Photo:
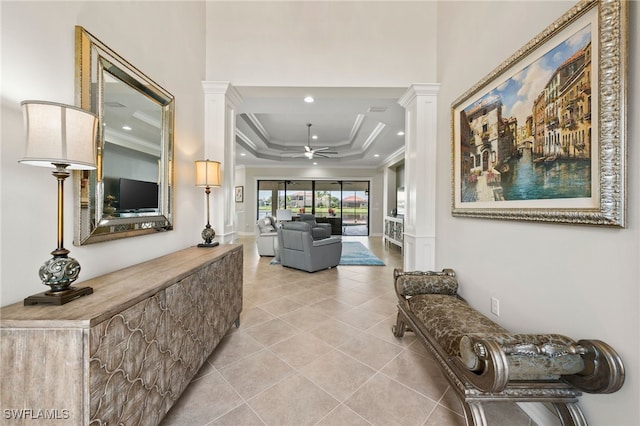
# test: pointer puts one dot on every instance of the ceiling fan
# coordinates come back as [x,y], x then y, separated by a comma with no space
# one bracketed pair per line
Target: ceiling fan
[310,152]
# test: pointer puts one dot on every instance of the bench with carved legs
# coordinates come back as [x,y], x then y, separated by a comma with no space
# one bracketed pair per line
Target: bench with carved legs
[486,363]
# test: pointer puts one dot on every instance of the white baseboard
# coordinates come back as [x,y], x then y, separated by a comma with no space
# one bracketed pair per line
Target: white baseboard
[539,413]
[247,234]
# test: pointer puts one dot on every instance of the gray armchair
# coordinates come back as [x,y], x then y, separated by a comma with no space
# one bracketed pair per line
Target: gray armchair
[318,230]
[267,236]
[299,250]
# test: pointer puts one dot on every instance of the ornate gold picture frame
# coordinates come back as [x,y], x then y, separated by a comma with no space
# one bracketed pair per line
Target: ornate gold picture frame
[542,137]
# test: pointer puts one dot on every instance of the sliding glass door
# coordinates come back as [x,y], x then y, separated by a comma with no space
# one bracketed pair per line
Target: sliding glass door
[355,208]
[299,196]
[267,198]
[328,204]
[343,204]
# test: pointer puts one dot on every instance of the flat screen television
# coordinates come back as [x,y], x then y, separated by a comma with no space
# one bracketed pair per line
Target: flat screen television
[138,194]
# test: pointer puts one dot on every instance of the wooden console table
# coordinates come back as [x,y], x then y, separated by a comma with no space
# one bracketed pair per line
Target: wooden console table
[124,354]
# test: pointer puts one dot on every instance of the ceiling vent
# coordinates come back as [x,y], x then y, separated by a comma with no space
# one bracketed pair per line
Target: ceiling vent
[377,109]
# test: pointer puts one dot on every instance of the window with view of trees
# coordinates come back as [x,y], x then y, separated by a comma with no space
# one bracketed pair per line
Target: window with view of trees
[344,204]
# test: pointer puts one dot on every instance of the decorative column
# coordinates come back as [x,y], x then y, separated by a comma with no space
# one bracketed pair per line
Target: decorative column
[420,104]
[220,102]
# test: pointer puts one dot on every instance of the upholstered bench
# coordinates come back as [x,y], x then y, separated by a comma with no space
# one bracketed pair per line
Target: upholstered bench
[486,363]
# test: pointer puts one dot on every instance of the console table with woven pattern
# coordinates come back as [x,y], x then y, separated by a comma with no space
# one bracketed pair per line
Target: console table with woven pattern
[393,231]
[124,354]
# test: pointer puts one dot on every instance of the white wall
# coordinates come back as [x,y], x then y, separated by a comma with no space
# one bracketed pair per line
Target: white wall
[577,280]
[324,43]
[163,39]
[249,199]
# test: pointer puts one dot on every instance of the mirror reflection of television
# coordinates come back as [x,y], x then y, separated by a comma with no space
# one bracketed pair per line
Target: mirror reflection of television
[138,195]
[400,201]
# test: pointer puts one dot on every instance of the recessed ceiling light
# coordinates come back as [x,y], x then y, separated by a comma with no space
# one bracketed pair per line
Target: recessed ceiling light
[126,127]
[309,99]
[376,155]
[315,164]
[242,154]
[314,137]
[400,133]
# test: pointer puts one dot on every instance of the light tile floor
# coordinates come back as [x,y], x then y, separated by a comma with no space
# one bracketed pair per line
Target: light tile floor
[317,349]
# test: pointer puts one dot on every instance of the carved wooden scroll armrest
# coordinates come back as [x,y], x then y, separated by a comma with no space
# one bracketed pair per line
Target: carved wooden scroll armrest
[603,369]
[412,283]
[491,372]
[490,360]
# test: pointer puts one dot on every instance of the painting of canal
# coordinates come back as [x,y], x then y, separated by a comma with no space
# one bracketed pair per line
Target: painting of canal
[530,137]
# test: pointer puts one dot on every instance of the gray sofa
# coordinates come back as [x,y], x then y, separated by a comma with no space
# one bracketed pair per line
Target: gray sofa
[299,250]
[267,236]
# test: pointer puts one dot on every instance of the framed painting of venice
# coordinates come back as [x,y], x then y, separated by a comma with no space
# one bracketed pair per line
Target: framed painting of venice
[542,137]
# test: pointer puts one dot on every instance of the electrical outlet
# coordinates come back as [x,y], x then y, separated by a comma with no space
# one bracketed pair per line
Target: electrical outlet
[495,306]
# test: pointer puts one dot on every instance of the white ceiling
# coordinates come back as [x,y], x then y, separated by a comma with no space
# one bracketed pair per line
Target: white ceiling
[360,124]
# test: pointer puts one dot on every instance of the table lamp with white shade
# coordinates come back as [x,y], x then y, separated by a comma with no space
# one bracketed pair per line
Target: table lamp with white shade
[62,137]
[208,175]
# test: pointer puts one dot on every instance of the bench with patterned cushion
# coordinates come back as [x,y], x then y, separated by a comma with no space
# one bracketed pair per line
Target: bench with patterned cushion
[485,362]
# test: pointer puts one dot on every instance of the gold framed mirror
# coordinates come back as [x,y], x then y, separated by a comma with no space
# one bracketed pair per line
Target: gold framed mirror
[131,191]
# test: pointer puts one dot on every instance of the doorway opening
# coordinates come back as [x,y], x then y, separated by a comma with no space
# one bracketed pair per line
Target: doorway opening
[342,203]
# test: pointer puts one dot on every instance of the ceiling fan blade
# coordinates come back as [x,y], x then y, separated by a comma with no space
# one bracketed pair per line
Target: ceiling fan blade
[324,148]
[292,154]
[308,148]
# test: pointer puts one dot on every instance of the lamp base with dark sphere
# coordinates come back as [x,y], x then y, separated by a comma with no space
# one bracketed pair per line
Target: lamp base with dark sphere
[207,235]
[59,273]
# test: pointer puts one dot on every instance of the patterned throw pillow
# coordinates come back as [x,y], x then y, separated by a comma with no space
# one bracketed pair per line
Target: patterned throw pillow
[412,285]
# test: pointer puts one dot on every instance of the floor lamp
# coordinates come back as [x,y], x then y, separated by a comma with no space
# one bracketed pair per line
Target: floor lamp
[208,175]
[62,137]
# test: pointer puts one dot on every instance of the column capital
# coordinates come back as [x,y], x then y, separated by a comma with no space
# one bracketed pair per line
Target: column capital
[418,89]
[222,88]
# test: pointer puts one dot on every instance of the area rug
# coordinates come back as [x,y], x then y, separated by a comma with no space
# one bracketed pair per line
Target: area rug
[353,253]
